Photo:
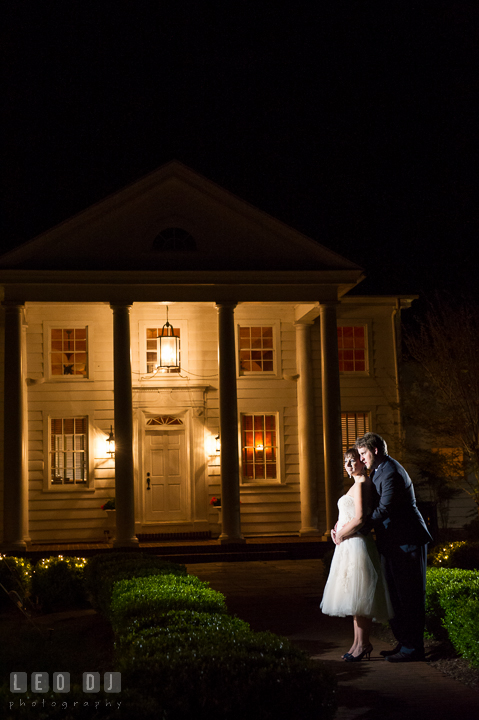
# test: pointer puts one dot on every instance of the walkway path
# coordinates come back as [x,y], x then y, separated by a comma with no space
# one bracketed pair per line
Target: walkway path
[284,597]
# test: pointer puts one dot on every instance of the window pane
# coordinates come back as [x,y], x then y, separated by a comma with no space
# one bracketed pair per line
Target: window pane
[259,446]
[68,439]
[256,349]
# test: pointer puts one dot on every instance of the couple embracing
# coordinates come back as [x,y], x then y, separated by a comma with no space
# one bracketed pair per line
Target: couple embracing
[389,584]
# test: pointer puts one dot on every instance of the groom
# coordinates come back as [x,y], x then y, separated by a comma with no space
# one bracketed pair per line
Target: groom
[402,538]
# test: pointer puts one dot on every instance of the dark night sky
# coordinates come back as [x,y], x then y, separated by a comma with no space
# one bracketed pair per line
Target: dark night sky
[354,122]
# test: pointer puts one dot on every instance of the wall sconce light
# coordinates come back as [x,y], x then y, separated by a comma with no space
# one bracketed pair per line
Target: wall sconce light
[169,346]
[110,443]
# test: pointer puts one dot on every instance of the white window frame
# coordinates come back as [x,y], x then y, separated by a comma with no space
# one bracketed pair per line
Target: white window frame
[275,324]
[48,486]
[252,408]
[182,325]
[367,329]
[48,326]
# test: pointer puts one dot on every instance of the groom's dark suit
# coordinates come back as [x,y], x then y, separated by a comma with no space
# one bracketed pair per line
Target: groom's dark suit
[402,538]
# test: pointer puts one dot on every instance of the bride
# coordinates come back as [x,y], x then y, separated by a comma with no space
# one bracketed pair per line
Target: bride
[356,585]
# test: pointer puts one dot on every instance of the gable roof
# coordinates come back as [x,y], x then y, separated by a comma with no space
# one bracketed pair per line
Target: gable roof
[223,233]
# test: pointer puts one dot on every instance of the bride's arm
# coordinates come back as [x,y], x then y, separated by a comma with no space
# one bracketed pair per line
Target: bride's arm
[360,504]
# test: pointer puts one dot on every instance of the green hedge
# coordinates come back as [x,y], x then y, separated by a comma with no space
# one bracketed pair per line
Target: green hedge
[452,609]
[104,570]
[176,645]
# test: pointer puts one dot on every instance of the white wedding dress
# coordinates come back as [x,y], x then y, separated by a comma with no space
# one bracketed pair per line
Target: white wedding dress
[356,584]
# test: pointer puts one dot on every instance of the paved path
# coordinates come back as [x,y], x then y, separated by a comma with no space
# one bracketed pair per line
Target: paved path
[284,597]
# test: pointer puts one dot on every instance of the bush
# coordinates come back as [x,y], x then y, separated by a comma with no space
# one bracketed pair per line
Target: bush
[15,575]
[229,674]
[104,570]
[452,609]
[176,645]
[441,554]
[150,597]
[58,584]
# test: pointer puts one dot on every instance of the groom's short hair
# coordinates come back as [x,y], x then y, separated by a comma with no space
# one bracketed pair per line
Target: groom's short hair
[372,441]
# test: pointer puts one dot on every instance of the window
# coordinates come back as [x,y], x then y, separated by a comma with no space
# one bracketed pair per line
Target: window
[165,421]
[259,447]
[256,352]
[68,450]
[352,348]
[353,425]
[153,352]
[69,352]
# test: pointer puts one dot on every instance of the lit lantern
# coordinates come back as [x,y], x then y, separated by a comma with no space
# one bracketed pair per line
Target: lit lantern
[110,443]
[169,346]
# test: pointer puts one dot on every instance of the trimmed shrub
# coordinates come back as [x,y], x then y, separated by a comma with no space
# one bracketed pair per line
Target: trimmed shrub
[103,571]
[231,675]
[15,575]
[459,600]
[57,583]
[452,609]
[148,598]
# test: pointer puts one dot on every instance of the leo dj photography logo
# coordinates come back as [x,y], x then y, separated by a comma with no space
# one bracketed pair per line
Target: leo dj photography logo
[60,683]
[40,682]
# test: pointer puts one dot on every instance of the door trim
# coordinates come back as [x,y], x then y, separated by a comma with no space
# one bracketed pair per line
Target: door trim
[143,416]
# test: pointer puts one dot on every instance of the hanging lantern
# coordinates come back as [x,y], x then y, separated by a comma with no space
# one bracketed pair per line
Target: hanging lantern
[110,443]
[168,346]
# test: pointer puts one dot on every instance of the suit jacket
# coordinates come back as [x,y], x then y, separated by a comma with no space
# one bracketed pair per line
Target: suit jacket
[396,519]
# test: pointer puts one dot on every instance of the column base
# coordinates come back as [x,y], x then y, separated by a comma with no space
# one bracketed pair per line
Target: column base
[13,547]
[309,532]
[129,542]
[226,540]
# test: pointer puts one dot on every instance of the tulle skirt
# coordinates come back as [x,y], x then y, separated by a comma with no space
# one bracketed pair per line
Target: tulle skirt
[356,585]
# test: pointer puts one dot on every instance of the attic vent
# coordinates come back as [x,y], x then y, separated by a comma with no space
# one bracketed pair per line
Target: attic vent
[174,240]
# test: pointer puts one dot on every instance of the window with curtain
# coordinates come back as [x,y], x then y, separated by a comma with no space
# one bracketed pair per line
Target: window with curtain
[68,450]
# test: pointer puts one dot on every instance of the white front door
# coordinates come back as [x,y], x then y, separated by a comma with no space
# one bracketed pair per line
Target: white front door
[165,461]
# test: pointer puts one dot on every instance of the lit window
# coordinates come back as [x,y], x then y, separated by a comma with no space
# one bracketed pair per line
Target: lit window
[68,352]
[259,446]
[256,349]
[153,352]
[353,425]
[352,348]
[68,451]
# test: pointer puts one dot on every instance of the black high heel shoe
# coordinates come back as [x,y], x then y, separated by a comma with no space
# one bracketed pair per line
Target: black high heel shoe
[356,658]
[346,656]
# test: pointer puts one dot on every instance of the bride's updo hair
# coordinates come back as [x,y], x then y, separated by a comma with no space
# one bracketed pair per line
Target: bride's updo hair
[352,452]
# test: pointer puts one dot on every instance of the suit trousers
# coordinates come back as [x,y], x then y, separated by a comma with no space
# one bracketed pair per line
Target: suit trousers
[405,573]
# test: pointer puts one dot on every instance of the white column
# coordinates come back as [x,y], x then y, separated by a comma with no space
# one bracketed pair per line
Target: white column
[306,439]
[123,414]
[230,495]
[333,462]
[15,491]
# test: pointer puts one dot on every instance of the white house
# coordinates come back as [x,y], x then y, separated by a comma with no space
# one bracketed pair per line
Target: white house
[278,369]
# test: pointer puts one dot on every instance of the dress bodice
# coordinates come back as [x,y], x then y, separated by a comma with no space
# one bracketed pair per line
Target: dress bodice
[346,509]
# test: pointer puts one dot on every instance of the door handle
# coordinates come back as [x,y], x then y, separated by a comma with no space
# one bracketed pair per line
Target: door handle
[148,481]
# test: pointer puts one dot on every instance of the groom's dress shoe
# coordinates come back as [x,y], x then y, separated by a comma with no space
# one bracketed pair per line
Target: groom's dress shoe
[387,653]
[404,656]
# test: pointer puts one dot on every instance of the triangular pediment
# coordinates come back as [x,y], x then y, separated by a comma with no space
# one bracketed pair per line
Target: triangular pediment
[173,219]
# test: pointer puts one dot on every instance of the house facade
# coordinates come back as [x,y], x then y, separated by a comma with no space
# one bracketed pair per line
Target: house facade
[154,319]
